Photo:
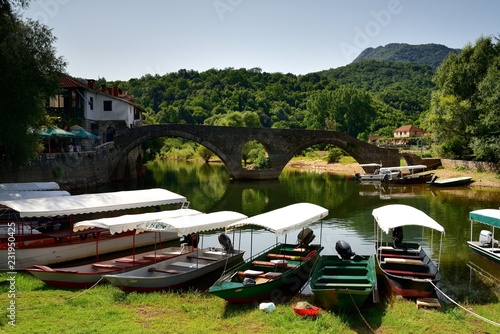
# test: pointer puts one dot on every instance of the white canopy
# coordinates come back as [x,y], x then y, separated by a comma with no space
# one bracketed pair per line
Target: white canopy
[287,219]
[129,222]
[19,195]
[394,215]
[88,203]
[193,224]
[373,164]
[29,186]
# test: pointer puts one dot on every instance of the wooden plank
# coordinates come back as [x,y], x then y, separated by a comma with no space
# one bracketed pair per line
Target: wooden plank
[166,271]
[409,273]
[404,256]
[344,285]
[404,261]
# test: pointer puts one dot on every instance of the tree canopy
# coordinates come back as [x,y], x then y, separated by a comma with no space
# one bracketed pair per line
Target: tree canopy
[30,75]
[465,107]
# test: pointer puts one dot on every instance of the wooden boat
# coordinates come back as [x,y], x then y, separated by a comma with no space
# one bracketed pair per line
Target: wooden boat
[86,275]
[42,228]
[343,283]
[278,270]
[408,268]
[186,269]
[450,182]
[487,247]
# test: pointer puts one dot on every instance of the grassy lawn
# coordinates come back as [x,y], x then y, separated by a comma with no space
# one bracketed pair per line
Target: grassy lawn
[106,309]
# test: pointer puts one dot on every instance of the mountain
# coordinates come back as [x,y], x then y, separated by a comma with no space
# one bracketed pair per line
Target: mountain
[424,54]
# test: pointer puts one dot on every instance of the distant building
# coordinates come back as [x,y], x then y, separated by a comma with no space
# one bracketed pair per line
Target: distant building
[408,131]
[103,112]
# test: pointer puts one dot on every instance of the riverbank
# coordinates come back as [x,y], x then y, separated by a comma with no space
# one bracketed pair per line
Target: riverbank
[481,179]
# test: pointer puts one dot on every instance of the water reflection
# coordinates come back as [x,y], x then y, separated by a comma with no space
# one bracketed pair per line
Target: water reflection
[208,188]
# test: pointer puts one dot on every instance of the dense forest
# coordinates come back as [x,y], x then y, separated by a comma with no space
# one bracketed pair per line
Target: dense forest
[364,98]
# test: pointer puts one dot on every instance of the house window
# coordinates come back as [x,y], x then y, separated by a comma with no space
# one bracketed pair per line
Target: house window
[91,103]
[107,106]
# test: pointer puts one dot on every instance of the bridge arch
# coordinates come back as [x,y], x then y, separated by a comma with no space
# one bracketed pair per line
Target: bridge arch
[227,143]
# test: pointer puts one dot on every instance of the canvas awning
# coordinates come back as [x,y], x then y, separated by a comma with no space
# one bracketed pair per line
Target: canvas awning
[486,216]
[29,186]
[81,133]
[284,220]
[20,195]
[129,222]
[55,132]
[394,215]
[193,224]
[88,203]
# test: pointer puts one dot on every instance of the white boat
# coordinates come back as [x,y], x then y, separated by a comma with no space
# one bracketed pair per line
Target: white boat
[413,174]
[373,176]
[40,230]
[408,268]
[486,246]
[187,269]
[86,275]
[450,182]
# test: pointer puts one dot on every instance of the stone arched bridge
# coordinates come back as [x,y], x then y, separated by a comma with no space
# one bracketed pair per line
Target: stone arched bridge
[227,143]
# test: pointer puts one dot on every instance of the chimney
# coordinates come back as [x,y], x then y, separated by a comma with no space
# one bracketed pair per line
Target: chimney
[103,88]
[91,83]
[110,90]
[115,91]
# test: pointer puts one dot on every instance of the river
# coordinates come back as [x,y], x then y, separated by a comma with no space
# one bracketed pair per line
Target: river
[350,204]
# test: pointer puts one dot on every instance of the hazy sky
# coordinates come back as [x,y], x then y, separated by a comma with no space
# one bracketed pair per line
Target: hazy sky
[124,39]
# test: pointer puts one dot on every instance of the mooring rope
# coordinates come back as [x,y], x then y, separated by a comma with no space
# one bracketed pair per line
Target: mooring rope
[463,308]
[360,314]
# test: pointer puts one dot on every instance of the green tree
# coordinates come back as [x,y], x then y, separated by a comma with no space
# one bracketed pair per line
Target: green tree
[464,110]
[30,75]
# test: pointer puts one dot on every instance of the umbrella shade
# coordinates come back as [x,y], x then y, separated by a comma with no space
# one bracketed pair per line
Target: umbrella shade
[81,133]
[55,132]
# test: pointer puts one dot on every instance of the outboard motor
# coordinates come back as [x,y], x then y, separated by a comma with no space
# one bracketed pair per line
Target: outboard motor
[344,250]
[226,243]
[397,236]
[305,237]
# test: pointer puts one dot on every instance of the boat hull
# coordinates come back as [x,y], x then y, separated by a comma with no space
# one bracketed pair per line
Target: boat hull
[60,252]
[343,285]
[411,179]
[277,280]
[183,271]
[489,253]
[408,270]
[85,276]
[451,182]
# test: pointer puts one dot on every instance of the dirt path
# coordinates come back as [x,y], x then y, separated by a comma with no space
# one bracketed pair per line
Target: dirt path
[489,180]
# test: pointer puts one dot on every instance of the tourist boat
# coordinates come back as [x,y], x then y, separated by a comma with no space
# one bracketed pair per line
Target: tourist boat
[40,230]
[373,176]
[450,182]
[280,269]
[86,275]
[187,269]
[408,268]
[344,282]
[487,247]
[414,174]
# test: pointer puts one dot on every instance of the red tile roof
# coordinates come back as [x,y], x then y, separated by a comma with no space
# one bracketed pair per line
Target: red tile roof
[406,128]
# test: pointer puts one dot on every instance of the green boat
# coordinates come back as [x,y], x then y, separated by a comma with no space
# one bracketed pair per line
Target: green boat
[278,271]
[343,285]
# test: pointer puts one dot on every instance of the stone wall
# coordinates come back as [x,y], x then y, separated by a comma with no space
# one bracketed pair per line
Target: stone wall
[76,170]
[479,166]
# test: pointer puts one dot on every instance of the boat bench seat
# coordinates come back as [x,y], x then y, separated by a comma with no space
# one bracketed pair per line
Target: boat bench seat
[259,274]
[106,266]
[393,260]
[156,257]
[341,278]
[131,261]
[192,265]
[272,264]
[403,256]
[208,258]
[344,285]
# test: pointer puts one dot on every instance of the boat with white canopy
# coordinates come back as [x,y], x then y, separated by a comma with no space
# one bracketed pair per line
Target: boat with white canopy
[29,186]
[86,275]
[187,269]
[270,273]
[41,231]
[406,265]
[486,246]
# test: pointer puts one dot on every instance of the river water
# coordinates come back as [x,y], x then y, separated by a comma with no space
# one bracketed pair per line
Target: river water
[350,205]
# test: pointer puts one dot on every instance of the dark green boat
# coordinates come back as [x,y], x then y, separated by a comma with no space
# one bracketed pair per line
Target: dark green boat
[343,285]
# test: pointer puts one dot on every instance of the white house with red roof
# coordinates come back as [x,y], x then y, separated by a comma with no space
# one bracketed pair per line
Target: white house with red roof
[408,131]
[104,111]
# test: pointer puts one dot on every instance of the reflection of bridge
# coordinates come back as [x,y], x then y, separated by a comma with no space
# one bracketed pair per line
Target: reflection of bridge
[227,143]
